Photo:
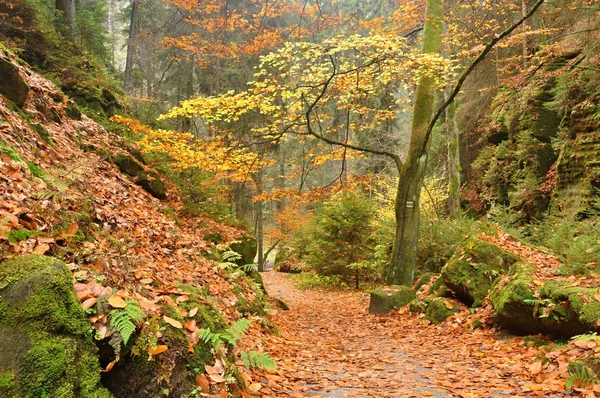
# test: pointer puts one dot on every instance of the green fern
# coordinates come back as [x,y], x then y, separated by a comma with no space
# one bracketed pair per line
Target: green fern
[231,257]
[231,335]
[234,332]
[258,360]
[126,320]
[581,377]
[208,337]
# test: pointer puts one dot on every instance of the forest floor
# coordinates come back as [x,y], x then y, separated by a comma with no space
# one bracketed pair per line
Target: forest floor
[330,346]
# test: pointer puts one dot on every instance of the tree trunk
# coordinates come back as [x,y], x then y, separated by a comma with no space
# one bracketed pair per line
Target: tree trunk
[131,44]
[454,169]
[259,223]
[404,255]
[67,7]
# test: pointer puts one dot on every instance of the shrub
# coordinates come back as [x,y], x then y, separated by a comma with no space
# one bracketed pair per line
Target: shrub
[339,241]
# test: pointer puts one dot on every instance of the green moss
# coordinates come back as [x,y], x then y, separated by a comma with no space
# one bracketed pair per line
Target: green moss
[471,272]
[423,280]
[247,248]
[43,133]
[436,285]
[7,384]
[34,169]
[383,300]
[418,305]
[437,311]
[18,235]
[44,337]
[12,154]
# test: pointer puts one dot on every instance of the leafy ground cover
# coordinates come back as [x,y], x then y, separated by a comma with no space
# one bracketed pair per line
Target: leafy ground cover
[330,346]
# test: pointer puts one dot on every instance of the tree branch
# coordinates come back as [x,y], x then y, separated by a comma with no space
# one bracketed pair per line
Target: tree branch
[470,69]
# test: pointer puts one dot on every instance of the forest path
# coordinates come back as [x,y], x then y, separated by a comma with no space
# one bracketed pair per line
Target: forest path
[330,346]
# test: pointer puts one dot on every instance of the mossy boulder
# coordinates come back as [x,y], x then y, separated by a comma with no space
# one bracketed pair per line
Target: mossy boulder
[383,300]
[556,307]
[439,309]
[45,345]
[246,246]
[152,184]
[471,272]
[128,165]
[12,85]
[173,370]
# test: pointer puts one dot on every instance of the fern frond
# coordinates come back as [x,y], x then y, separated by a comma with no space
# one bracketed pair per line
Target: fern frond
[258,360]
[125,320]
[208,337]
[231,257]
[236,330]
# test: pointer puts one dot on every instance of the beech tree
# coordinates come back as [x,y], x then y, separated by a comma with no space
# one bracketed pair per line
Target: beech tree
[299,90]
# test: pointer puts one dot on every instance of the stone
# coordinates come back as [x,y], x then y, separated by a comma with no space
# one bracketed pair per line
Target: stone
[12,85]
[472,270]
[246,246]
[45,345]
[439,309]
[152,184]
[128,165]
[555,307]
[383,300]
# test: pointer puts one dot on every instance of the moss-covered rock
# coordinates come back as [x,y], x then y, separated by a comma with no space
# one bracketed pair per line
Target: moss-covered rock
[246,247]
[174,370]
[555,307]
[418,305]
[45,344]
[152,184]
[439,309]
[383,300]
[12,85]
[423,280]
[471,272]
[128,165]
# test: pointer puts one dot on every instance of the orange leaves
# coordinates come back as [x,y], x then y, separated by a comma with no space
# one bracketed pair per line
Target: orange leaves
[157,350]
[117,302]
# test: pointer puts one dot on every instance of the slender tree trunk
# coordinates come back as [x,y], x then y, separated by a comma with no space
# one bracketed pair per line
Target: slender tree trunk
[454,168]
[259,223]
[281,177]
[523,13]
[404,255]
[69,14]
[131,44]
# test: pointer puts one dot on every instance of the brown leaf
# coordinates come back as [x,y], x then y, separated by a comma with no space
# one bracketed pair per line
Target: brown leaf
[73,228]
[193,312]
[255,387]
[146,281]
[173,322]
[117,301]
[41,248]
[203,383]
[217,378]
[182,299]
[89,303]
[109,367]
[190,325]
[223,394]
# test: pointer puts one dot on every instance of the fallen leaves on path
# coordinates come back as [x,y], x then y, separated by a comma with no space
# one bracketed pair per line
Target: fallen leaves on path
[330,346]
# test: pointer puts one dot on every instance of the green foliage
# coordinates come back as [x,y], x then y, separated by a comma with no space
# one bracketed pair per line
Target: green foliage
[18,235]
[310,280]
[440,238]
[231,335]
[126,320]
[258,360]
[340,237]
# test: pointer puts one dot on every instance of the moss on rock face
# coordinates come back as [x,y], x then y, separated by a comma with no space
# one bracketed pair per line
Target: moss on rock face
[383,300]
[246,247]
[439,309]
[45,347]
[471,272]
[554,307]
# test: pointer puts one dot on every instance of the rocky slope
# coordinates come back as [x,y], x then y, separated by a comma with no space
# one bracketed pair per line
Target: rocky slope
[67,190]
